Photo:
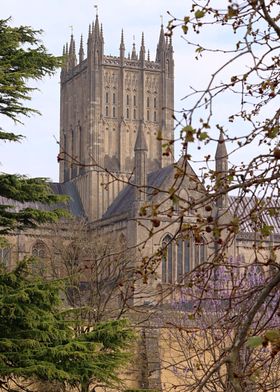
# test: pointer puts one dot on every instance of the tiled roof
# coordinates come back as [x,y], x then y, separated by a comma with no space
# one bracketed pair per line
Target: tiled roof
[243,208]
[124,200]
[73,205]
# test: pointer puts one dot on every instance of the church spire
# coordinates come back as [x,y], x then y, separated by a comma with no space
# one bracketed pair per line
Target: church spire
[142,49]
[122,47]
[161,44]
[72,52]
[221,151]
[133,53]
[96,27]
[81,51]
[221,160]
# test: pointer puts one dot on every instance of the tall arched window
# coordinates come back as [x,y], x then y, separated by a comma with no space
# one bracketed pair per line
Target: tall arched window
[114,98]
[114,111]
[199,251]
[40,254]
[106,111]
[127,113]
[187,256]
[167,262]
[127,99]
[134,114]
[107,97]
[183,259]
[155,116]
[148,115]
[155,102]
[5,256]
[180,256]
[134,100]
[148,102]
[180,265]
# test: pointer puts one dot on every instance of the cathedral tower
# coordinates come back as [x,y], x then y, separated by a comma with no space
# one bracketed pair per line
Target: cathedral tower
[104,101]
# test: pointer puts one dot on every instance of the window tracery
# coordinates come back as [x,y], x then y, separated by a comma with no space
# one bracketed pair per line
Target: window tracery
[180,256]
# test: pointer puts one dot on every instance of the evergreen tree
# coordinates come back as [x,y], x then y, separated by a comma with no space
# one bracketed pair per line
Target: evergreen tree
[37,343]
[23,58]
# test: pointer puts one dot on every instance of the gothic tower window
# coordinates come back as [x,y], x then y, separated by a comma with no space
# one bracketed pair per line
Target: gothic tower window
[148,102]
[107,111]
[107,97]
[114,111]
[134,100]
[127,113]
[127,99]
[148,115]
[155,103]
[114,98]
[134,114]
[155,116]
[5,256]
[40,253]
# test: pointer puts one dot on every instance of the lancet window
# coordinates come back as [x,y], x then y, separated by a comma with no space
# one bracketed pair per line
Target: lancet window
[40,254]
[5,256]
[180,256]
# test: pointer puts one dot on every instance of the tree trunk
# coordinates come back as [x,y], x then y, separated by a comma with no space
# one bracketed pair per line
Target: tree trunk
[85,387]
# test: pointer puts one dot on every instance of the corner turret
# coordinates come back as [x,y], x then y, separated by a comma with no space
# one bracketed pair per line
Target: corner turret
[140,178]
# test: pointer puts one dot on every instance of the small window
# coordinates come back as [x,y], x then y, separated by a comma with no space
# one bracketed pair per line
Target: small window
[127,113]
[155,116]
[134,114]
[148,102]
[148,115]
[155,102]
[114,98]
[114,111]
[127,99]
[134,100]
[107,98]
[106,111]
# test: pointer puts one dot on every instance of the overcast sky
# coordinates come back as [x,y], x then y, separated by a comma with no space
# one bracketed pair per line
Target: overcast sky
[36,155]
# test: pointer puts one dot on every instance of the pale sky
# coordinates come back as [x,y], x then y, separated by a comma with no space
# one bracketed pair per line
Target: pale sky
[36,155]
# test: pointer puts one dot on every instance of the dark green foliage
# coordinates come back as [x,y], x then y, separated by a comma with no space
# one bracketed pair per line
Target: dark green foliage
[24,189]
[23,58]
[37,342]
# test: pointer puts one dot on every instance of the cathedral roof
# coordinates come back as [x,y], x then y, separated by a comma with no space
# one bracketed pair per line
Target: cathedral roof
[124,201]
[73,205]
[266,211]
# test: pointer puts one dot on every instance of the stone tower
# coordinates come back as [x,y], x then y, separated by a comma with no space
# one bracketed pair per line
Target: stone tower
[104,102]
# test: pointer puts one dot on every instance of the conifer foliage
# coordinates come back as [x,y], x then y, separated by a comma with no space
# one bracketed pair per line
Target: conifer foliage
[37,341]
[23,58]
